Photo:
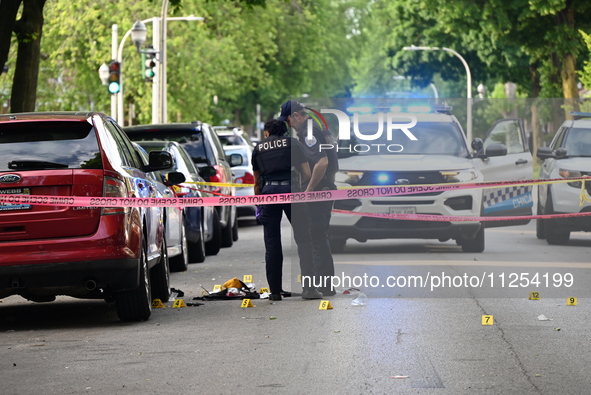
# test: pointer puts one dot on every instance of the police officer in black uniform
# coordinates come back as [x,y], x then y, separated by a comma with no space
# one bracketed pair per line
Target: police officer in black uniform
[279,163]
[324,165]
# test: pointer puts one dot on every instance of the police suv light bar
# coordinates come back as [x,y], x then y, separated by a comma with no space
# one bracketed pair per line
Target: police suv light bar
[580,115]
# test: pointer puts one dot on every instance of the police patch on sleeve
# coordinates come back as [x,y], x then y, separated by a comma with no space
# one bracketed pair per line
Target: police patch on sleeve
[310,141]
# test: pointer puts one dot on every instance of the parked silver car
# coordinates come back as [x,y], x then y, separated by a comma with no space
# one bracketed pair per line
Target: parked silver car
[202,236]
[173,216]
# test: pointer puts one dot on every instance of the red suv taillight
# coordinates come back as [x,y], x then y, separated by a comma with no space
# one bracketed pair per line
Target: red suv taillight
[247,178]
[114,188]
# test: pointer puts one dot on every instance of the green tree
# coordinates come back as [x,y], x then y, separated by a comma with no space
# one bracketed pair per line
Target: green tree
[585,74]
[28,30]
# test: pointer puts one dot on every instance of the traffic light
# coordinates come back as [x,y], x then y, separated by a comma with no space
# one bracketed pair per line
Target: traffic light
[114,77]
[149,64]
[149,73]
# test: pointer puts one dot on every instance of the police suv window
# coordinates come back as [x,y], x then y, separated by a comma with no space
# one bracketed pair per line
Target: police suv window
[509,134]
[557,143]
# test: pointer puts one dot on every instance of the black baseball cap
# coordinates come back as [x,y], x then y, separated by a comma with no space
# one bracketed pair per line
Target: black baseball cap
[288,108]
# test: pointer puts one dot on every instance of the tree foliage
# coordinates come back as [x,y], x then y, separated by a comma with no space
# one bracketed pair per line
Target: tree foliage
[532,43]
[250,52]
[245,53]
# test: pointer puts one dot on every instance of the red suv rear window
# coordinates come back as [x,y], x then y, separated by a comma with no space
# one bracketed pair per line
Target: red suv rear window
[48,145]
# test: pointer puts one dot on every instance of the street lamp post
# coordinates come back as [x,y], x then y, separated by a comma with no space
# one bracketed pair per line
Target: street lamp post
[138,33]
[163,55]
[119,58]
[468,79]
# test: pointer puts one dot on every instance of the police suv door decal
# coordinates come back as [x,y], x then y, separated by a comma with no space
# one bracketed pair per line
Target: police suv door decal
[516,165]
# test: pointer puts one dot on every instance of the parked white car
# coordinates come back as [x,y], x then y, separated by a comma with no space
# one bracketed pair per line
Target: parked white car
[569,155]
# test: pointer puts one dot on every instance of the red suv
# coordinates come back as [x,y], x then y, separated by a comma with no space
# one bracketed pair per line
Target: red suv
[116,254]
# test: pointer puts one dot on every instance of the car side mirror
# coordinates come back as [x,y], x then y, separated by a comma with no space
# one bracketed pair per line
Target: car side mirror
[496,149]
[159,160]
[207,171]
[477,144]
[545,153]
[561,153]
[175,178]
[236,160]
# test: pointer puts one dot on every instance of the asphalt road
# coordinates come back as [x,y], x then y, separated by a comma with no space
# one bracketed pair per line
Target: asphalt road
[403,341]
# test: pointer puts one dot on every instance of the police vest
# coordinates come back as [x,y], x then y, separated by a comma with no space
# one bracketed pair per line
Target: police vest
[273,157]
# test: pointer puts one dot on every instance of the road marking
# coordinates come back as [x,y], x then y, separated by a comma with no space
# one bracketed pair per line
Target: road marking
[582,265]
[532,232]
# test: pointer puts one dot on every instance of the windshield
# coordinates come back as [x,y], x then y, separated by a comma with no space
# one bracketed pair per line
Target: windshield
[432,138]
[578,142]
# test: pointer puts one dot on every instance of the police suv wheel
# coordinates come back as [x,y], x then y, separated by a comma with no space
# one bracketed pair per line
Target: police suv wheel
[476,244]
[540,225]
[553,235]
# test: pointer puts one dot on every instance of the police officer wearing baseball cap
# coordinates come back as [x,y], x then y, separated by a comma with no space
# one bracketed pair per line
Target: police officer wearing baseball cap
[279,163]
[324,165]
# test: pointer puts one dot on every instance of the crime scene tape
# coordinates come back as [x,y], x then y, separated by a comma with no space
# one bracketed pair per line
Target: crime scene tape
[446,218]
[474,185]
[298,197]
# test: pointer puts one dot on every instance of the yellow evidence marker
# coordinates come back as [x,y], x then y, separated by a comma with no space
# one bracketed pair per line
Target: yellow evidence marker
[534,296]
[571,301]
[247,278]
[247,303]
[217,287]
[178,303]
[325,305]
[157,304]
[487,320]
[263,290]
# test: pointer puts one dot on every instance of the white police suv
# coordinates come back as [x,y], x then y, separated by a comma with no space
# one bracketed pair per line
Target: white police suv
[569,155]
[432,149]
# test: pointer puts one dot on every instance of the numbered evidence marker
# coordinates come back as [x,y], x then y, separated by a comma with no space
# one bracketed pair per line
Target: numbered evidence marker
[487,320]
[178,303]
[247,278]
[325,305]
[571,301]
[217,288]
[534,296]
[263,290]
[157,304]
[247,303]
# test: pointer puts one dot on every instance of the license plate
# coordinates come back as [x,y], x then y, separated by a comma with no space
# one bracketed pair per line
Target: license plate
[403,210]
[11,206]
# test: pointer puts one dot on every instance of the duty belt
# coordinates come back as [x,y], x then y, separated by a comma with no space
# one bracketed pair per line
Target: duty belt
[284,182]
